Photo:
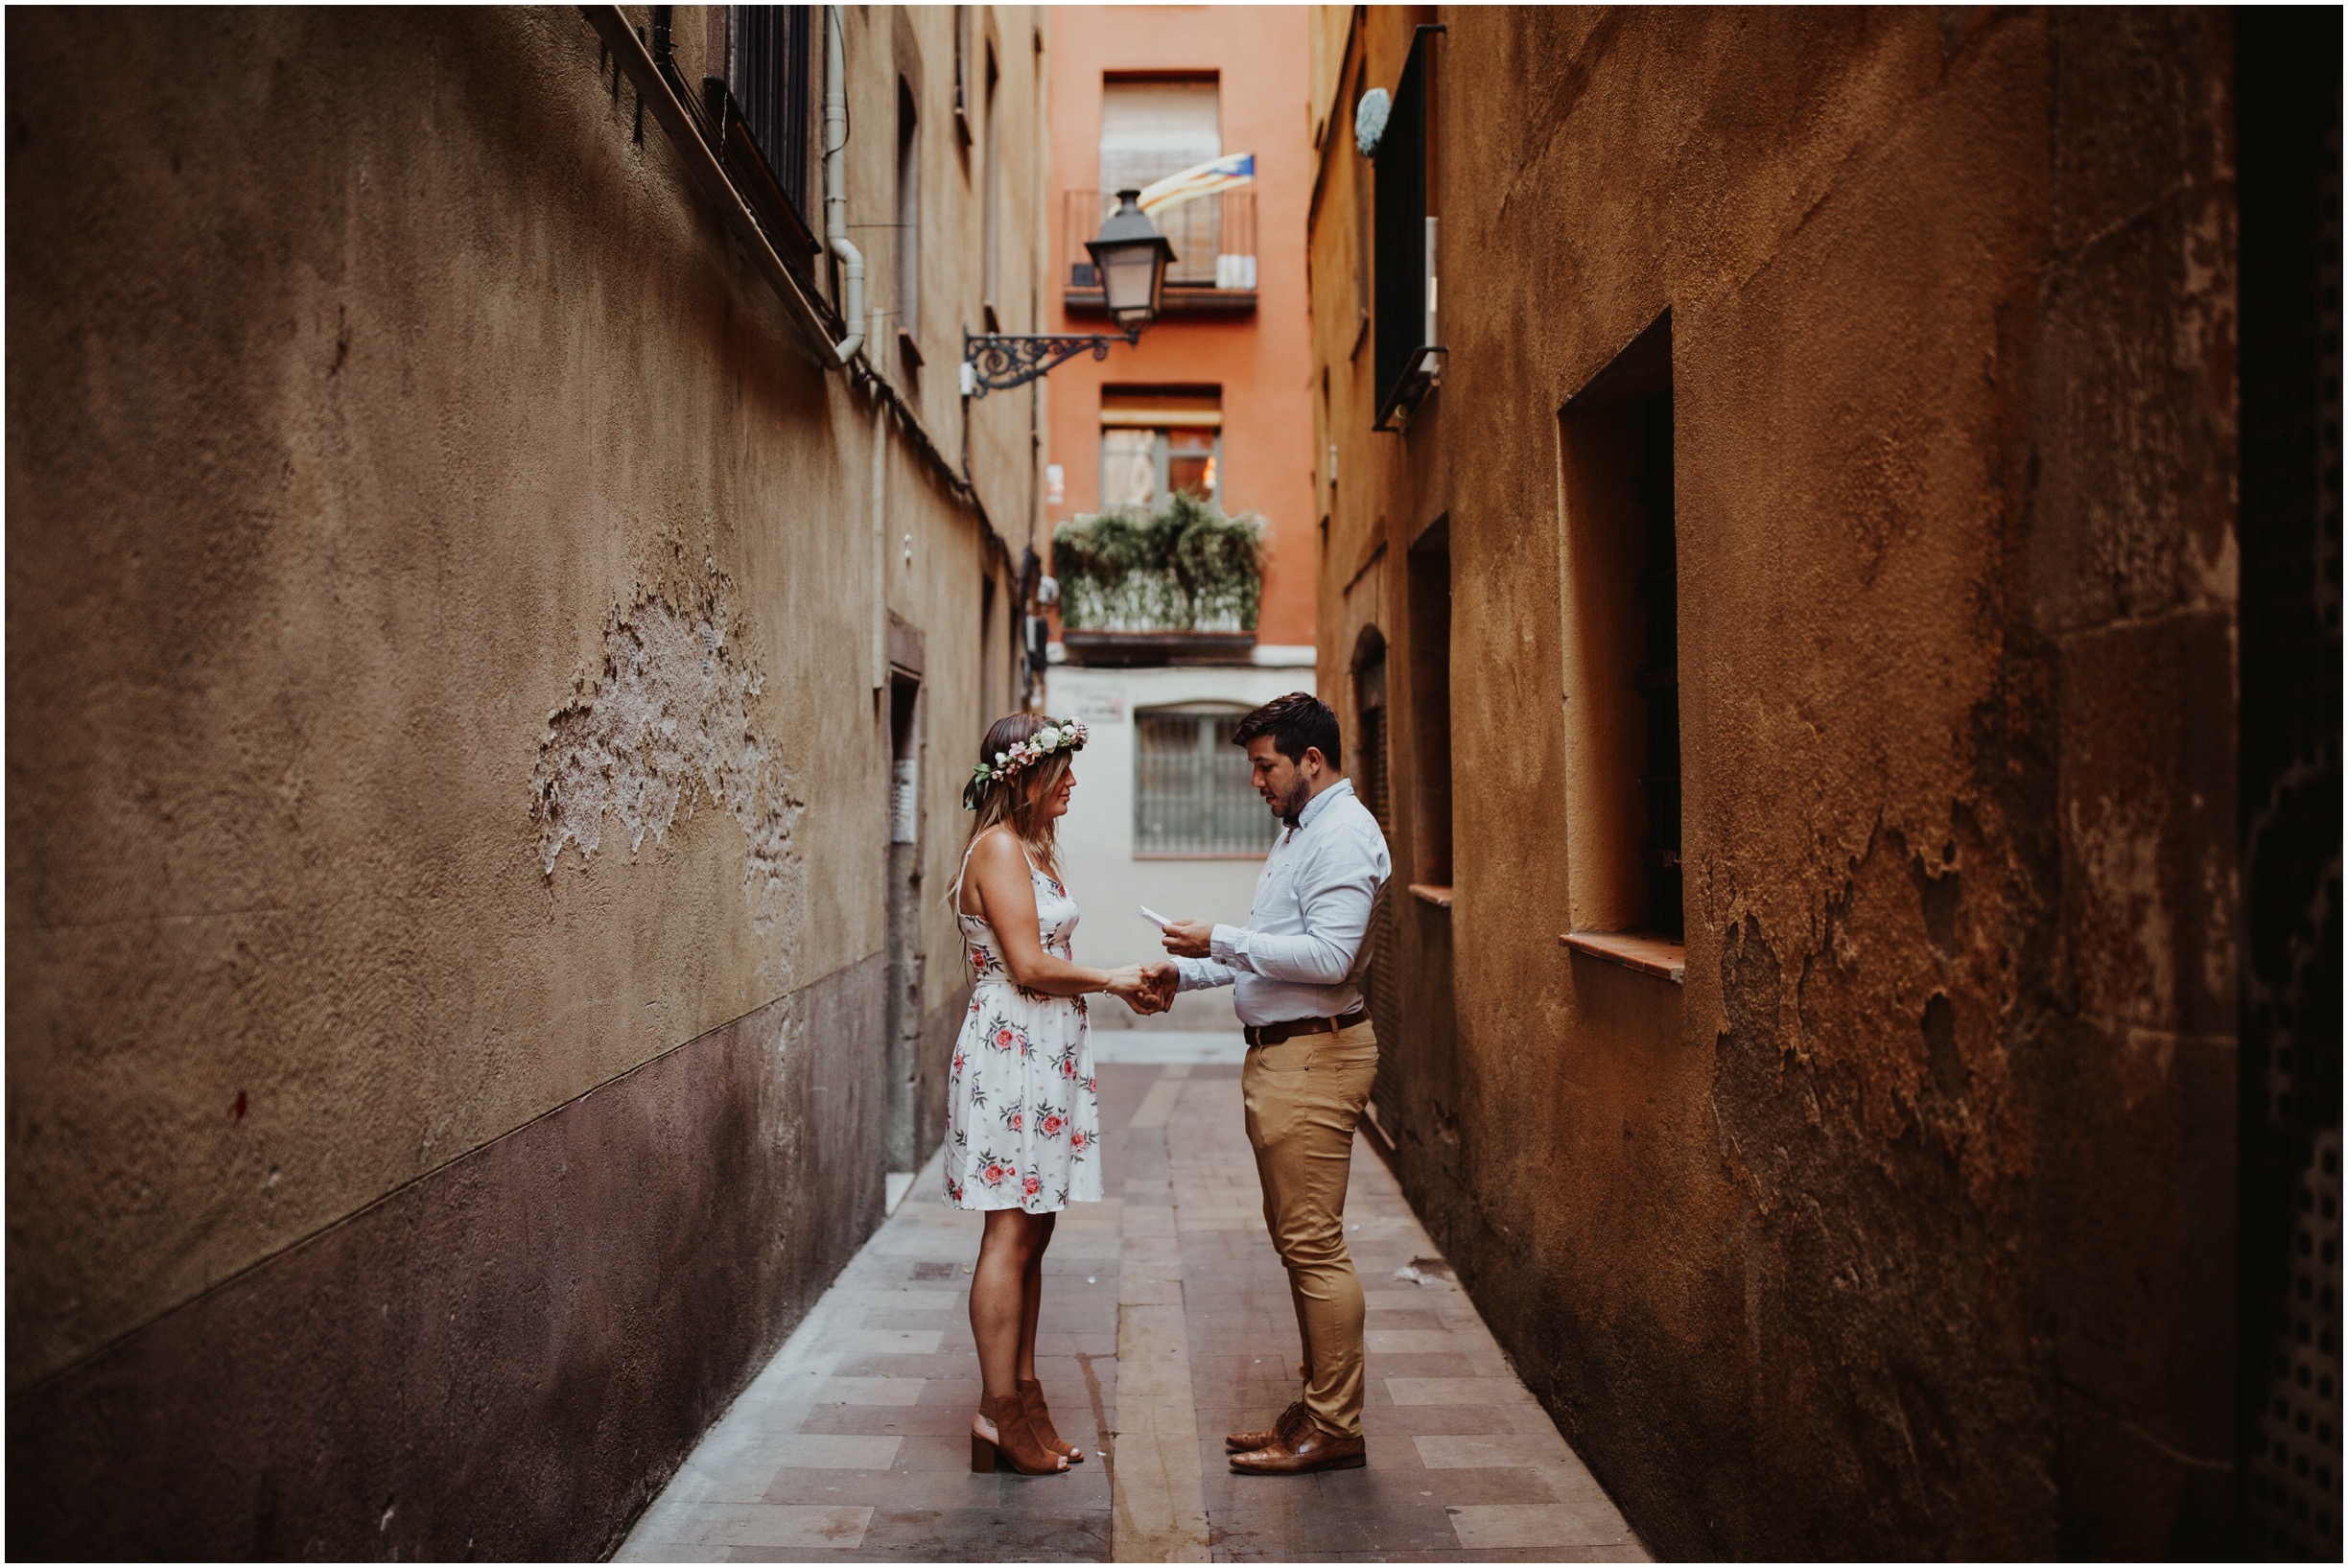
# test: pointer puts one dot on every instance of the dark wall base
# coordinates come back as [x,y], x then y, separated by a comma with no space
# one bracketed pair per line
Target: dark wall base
[509,1356]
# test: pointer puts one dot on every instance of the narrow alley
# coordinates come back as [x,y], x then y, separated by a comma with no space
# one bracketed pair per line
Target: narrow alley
[1167,1322]
[1724,621]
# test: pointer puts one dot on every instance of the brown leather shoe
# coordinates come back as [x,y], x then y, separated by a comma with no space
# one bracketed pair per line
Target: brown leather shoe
[1303,1452]
[1239,1442]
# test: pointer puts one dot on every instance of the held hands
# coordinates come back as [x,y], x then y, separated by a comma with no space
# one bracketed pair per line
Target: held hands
[1146,987]
[1190,937]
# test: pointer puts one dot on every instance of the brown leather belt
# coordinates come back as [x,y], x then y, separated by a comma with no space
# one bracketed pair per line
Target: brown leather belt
[1272,1034]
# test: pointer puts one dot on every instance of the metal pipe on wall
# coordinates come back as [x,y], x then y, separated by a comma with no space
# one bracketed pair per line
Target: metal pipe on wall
[880,540]
[835,186]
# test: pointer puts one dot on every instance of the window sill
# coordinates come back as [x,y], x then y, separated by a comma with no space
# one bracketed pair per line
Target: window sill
[1647,955]
[1430,893]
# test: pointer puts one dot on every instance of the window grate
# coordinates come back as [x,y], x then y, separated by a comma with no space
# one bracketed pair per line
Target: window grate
[771,76]
[1191,792]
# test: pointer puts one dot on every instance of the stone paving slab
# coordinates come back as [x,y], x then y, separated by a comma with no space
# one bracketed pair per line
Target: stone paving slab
[1167,1322]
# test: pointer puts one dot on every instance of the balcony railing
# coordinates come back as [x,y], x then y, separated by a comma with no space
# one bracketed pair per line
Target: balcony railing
[1213,271]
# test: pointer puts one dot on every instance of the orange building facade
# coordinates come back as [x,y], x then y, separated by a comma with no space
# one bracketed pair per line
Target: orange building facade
[1211,402]
[1221,379]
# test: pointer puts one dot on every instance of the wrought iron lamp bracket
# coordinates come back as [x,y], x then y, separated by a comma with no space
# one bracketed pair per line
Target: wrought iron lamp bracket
[996,361]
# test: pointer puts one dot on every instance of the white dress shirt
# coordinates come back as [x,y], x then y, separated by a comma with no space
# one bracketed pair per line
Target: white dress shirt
[1294,959]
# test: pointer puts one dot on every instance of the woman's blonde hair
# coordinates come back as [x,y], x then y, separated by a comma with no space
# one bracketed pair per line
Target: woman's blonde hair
[1018,800]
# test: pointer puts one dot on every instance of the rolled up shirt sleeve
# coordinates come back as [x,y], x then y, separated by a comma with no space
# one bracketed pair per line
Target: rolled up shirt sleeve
[1335,893]
[1200,974]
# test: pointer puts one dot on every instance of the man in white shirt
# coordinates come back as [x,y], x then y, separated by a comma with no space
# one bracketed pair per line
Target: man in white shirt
[1293,971]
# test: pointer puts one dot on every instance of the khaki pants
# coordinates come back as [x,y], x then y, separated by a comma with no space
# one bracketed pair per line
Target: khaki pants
[1304,1097]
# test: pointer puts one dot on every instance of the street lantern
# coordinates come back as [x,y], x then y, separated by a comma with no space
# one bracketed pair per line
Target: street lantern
[1130,257]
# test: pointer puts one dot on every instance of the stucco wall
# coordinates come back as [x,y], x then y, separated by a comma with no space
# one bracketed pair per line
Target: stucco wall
[1905,1228]
[438,589]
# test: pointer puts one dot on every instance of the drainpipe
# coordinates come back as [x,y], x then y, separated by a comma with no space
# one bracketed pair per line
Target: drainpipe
[835,186]
[879,539]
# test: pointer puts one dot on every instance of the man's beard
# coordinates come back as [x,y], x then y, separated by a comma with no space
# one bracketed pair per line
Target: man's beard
[1287,806]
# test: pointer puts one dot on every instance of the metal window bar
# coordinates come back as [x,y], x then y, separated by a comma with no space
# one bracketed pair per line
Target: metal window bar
[1191,794]
[771,71]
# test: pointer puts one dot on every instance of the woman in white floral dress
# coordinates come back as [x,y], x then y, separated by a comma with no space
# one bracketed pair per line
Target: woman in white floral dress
[1023,1129]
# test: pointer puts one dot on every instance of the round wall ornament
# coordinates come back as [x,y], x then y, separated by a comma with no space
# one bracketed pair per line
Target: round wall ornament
[1370,120]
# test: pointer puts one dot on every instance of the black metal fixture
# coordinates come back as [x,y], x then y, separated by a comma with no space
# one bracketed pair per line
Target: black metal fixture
[1130,257]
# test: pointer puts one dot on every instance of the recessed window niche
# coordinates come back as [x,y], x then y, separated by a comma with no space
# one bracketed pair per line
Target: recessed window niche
[1619,601]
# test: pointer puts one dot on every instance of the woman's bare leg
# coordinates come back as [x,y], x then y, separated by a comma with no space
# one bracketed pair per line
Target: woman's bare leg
[1001,1320]
[1031,1294]
[997,1298]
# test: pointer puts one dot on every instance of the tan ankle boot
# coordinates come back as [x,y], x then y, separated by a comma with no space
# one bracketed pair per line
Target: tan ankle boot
[1014,1441]
[1038,1417]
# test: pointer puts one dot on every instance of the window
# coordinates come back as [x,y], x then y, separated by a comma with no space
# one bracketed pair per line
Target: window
[987,687]
[1156,441]
[1370,726]
[1191,789]
[2287,84]
[1370,775]
[908,214]
[1361,228]
[991,264]
[903,1012]
[1430,698]
[1618,562]
[769,70]
[1151,129]
[761,114]
[962,56]
[1658,676]
[1404,262]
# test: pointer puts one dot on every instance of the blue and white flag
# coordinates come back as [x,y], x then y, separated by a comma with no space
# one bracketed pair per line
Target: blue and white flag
[1210,178]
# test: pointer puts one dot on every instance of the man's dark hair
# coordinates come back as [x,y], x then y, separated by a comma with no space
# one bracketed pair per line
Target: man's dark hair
[1296,723]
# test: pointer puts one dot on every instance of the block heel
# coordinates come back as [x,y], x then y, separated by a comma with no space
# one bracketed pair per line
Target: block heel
[983,1456]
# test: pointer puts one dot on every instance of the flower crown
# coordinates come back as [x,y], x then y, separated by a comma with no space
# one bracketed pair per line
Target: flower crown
[1056,735]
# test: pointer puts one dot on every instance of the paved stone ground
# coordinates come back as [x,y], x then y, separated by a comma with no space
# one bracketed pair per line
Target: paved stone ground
[1167,1322]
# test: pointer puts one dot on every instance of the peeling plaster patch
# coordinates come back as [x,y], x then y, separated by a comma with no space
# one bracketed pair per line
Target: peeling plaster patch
[2120,845]
[668,722]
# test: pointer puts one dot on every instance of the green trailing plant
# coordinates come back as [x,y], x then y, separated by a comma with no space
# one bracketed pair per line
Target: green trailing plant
[1185,567]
